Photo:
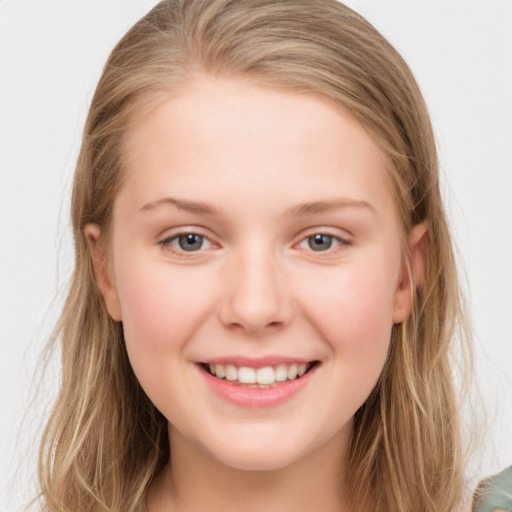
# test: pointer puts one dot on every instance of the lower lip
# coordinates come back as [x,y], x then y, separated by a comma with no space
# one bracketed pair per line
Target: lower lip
[257,397]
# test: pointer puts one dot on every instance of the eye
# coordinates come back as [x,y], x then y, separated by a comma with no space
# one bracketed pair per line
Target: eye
[187,242]
[321,242]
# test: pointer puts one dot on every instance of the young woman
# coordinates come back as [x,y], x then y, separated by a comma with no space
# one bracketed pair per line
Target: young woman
[265,298]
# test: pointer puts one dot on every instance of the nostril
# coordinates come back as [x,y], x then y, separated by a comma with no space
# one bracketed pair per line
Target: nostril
[253,329]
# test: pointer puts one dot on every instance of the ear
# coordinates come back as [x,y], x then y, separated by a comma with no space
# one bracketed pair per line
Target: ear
[412,273]
[102,271]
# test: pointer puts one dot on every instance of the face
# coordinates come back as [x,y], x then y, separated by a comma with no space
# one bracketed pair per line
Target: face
[256,265]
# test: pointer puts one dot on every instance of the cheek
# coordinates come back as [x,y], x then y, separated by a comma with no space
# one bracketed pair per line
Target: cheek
[162,306]
[352,309]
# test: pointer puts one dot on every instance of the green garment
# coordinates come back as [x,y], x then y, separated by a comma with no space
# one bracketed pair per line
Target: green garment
[495,492]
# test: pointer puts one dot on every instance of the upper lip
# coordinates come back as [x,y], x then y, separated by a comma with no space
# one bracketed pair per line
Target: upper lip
[256,362]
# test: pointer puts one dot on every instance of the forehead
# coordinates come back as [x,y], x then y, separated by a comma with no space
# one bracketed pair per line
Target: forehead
[212,135]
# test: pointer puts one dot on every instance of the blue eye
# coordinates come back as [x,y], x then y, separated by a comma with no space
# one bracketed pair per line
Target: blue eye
[190,242]
[321,242]
[187,242]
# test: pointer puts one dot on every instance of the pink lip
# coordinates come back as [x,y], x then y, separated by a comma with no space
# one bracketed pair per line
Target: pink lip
[244,396]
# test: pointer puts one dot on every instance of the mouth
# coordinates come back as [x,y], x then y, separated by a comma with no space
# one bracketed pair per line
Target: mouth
[262,377]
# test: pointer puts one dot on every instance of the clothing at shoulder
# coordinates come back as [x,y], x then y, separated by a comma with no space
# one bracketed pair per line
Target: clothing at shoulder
[494,494]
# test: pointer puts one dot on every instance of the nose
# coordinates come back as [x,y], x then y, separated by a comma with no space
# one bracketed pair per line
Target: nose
[257,297]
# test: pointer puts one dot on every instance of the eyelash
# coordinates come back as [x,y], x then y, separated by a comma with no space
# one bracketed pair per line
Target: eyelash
[167,243]
[338,240]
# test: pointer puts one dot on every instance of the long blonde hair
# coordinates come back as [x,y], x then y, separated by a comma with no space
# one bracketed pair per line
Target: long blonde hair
[105,440]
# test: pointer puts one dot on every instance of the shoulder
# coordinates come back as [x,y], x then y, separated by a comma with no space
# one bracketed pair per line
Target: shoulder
[494,494]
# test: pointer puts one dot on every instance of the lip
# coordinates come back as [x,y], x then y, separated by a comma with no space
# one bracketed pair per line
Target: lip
[249,397]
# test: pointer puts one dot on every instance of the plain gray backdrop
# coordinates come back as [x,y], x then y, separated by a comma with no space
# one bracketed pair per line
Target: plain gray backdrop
[51,55]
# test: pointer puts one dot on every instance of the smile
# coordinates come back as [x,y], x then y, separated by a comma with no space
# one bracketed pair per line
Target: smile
[258,377]
[250,383]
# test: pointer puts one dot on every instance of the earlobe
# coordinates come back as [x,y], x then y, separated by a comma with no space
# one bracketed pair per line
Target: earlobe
[102,271]
[412,274]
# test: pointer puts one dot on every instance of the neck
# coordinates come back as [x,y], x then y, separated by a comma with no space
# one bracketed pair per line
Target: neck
[193,481]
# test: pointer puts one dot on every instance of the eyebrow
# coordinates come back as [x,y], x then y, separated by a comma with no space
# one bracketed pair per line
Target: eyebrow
[300,210]
[182,204]
[328,206]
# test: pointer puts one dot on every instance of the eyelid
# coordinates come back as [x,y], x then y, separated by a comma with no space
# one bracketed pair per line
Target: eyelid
[334,234]
[165,242]
[330,231]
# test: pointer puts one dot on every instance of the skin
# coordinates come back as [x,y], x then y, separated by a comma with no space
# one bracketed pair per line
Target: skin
[255,287]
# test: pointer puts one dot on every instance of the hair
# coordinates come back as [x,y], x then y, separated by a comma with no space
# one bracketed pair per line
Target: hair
[105,441]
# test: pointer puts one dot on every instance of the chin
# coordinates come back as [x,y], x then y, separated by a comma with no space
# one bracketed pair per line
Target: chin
[253,454]
[255,460]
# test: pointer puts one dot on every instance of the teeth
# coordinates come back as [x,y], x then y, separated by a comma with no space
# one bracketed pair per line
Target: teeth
[246,375]
[231,372]
[267,375]
[281,373]
[292,371]
[220,371]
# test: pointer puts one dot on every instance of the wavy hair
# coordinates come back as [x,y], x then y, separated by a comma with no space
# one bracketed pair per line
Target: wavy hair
[105,440]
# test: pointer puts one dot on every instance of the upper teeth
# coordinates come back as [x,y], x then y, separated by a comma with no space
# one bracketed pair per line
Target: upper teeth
[266,375]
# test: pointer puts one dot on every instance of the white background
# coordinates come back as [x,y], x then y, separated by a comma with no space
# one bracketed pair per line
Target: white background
[51,54]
